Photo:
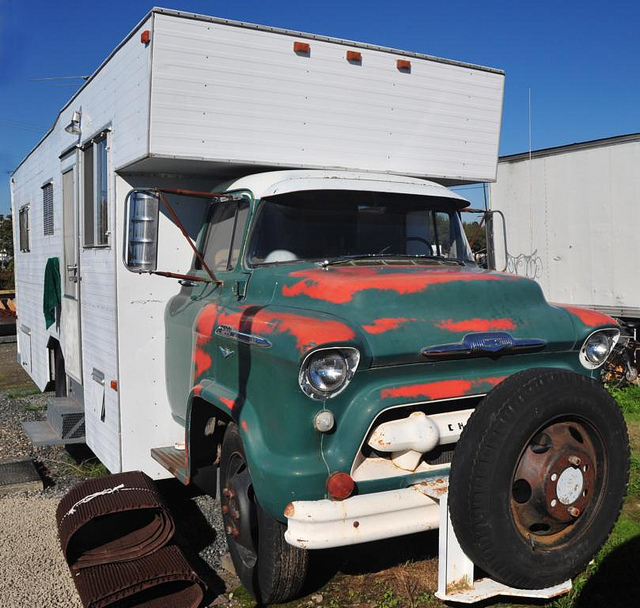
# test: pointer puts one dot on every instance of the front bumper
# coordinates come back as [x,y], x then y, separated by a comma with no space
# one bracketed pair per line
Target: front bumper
[322,524]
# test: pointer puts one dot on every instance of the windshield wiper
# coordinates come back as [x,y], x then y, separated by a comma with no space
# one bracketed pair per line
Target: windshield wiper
[366,256]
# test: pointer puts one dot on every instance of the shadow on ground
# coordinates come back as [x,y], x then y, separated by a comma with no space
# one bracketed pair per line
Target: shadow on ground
[614,585]
[193,532]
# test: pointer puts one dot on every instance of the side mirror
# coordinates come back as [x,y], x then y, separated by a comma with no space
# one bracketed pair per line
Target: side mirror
[141,231]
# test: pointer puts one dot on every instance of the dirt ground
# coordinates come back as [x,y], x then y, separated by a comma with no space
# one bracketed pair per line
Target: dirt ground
[12,376]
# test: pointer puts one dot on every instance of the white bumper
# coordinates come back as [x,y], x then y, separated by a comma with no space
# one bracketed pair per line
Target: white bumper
[321,524]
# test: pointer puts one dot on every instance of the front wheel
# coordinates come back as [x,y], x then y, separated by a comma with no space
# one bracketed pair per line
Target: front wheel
[538,477]
[269,568]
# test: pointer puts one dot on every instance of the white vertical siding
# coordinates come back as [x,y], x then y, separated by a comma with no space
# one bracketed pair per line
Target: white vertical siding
[576,212]
[117,97]
[223,93]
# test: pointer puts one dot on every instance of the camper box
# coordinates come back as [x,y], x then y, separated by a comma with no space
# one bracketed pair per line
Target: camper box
[188,101]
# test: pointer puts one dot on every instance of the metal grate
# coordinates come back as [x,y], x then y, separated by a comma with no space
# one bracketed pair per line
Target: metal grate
[47,209]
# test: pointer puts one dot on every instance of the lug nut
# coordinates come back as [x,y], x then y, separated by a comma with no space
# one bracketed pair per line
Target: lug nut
[235,514]
[574,460]
[225,509]
[573,511]
[228,530]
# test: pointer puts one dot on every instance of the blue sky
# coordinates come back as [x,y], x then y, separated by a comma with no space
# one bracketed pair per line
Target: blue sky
[581,59]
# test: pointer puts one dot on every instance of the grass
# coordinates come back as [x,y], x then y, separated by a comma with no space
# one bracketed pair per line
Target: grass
[23,393]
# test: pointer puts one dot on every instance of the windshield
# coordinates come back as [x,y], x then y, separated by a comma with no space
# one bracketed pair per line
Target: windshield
[337,224]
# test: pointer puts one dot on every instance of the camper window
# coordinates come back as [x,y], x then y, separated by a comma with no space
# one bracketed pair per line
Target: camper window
[47,209]
[24,229]
[95,193]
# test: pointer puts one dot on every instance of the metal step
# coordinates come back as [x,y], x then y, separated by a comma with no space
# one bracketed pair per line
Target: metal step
[173,460]
[64,423]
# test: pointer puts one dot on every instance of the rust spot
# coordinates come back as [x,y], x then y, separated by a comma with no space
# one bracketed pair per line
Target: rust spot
[356,524]
[290,511]
[380,326]
[476,324]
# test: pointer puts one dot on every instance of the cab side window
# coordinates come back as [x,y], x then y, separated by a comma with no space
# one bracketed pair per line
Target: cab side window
[224,235]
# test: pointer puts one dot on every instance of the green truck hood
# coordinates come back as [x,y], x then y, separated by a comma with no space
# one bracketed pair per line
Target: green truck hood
[401,309]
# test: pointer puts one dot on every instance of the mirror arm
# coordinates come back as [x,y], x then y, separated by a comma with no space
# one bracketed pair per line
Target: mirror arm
[180,225]
[185,277]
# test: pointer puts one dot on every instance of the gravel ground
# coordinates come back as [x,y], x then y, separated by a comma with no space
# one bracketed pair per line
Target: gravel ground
[29,539]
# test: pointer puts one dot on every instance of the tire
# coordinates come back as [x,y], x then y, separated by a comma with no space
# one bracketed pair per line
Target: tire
[538,477]
[270,569]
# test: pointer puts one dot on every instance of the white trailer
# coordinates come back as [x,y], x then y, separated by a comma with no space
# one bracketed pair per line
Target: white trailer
[189,101]
[571,217]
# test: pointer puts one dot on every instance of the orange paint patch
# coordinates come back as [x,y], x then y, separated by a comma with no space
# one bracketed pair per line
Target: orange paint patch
[339,285]
[592,318]
[476,324]
[379,326]
[202,361]
[245,428]
[228,402]
[445,389]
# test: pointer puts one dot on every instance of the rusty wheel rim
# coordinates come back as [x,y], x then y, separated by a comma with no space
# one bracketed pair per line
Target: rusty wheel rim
[556,485]
[239,510]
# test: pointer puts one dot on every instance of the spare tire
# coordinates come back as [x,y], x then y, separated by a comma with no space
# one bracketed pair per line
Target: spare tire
[538,477]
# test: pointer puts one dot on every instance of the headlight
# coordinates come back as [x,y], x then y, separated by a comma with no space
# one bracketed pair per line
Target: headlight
[325,373]
[597,347]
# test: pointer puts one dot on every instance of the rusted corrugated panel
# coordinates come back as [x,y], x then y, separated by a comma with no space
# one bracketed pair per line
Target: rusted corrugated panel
[114,518]
[163,579]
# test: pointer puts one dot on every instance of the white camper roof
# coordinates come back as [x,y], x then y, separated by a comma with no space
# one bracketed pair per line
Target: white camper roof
[282,182]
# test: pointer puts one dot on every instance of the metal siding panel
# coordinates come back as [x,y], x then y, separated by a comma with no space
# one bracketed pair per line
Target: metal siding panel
[221,93]
[584,206]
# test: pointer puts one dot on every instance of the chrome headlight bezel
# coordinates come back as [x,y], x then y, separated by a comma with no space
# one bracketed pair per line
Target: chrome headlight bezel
[611,335]
[351,357]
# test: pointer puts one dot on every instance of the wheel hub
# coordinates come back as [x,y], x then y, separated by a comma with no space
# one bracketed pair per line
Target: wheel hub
[554,481]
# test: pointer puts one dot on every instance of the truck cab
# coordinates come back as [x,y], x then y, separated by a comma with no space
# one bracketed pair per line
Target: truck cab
[329,351]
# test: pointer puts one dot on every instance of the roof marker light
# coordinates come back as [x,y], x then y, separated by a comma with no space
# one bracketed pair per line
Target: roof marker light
[354,57]
[404,65]
[145,37]
[302,48]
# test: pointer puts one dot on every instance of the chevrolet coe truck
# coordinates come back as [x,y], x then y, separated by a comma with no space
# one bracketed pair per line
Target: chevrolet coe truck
[267,291]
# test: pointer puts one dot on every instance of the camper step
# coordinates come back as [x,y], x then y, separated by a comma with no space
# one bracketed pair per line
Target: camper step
[64,423]
[173,459]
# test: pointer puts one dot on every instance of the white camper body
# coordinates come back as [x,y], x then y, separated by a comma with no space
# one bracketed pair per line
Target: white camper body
[187,101]
[571,215]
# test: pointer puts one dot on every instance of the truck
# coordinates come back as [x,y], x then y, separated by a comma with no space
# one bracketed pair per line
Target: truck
[570,212]
[239,263]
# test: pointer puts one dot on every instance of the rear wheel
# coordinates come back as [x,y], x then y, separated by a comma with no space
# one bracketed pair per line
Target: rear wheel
[538,477]
[270,569]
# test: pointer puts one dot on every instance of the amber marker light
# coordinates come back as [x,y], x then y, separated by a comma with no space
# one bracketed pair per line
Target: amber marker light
[404,65]
[354,57]
[340,486]
[145,37]
[301,47]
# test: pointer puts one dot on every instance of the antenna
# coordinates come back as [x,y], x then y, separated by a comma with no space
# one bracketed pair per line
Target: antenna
[530,179]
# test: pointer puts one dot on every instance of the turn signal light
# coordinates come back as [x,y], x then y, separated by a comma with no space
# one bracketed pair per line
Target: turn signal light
[340,486]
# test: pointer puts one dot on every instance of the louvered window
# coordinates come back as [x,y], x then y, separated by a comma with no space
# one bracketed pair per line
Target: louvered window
[47,209]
